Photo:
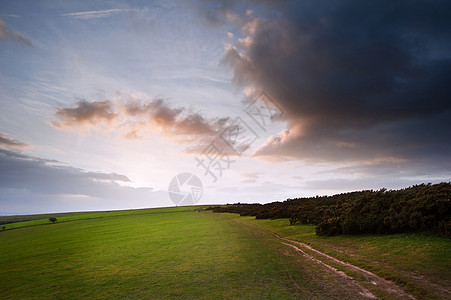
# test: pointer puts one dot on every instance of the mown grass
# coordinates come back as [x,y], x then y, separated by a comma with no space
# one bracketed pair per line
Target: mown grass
[415,261]
[158,254]
[19,221]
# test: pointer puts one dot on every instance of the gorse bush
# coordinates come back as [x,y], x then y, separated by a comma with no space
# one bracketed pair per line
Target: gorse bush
[424,207]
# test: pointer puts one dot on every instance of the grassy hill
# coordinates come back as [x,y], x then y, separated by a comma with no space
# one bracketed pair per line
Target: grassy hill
[177,252]
[162,253]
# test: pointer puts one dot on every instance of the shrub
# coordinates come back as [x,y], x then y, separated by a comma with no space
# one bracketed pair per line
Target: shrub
[424,207]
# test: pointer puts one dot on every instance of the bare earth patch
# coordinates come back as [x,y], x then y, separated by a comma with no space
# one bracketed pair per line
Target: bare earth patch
[386,285]
[350,281]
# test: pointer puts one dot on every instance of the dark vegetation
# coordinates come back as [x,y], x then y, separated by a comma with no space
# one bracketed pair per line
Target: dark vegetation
[52,219]
[424,207]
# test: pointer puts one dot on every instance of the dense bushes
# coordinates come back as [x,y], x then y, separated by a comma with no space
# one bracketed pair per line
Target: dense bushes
[424,207]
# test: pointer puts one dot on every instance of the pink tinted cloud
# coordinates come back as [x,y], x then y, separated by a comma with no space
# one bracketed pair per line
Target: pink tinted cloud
[85,113]
[7,142]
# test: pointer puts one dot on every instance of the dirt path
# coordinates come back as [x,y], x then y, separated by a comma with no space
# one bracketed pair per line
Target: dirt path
[386,285]
[349,280]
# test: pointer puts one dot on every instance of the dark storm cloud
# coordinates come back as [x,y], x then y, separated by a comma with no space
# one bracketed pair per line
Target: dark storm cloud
[357,80]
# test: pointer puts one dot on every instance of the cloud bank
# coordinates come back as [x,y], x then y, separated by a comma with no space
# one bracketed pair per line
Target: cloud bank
[358,81]
[134,116]
[31,184]
[178,122]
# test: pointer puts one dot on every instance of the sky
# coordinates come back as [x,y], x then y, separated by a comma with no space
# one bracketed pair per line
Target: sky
[123,104]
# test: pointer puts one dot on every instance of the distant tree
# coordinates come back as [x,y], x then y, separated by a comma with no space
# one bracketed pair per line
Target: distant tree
[52,219]
[4,228]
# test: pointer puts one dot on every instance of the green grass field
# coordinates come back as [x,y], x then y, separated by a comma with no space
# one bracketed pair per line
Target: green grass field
[417,262]
[13,222]
[176,252]
[155,254]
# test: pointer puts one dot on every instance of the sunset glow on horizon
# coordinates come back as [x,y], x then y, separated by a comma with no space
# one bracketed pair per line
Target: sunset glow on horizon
[103,104]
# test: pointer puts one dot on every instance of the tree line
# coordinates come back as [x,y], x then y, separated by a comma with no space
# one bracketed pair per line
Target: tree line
[424,207]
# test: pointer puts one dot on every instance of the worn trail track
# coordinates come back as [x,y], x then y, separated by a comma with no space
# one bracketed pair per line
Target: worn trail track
[325,260]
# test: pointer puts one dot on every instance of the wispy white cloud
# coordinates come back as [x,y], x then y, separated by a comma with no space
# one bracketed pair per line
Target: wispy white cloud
[11,16]
[96,14]
[250,177]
